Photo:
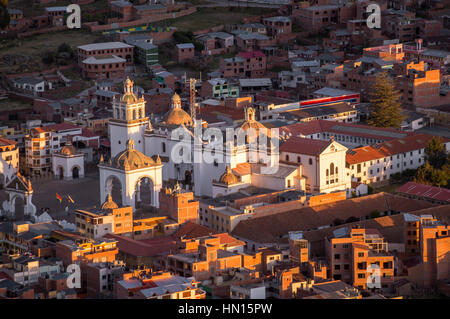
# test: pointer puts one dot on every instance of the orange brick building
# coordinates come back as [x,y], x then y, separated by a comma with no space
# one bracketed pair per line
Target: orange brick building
[86,252]
[178,205]
[205,260]
[351,252]
[142,284]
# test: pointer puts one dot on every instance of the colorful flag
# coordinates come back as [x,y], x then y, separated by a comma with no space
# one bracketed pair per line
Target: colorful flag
[58,197]
[70,199]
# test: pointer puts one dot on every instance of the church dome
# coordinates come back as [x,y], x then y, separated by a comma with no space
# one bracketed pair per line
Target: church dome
[177,116]
[68,150]
[109,203]
[131,158]
[251,124]
[228,177]
[176,99]
[129,97]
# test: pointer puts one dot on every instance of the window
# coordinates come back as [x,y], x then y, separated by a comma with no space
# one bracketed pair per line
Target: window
[361,276]
[310,161]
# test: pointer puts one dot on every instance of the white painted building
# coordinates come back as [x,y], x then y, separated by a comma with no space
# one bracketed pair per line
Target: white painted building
[323,163]
[197,157]
[377,163]
[68,163]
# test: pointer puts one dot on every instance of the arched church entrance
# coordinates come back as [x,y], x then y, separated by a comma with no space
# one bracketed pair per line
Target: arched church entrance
[75,172]
[114,187]
[144,193]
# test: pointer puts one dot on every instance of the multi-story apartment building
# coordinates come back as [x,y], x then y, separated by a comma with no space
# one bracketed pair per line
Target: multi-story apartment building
[434,238]
[251,64]
[42,142]
[178,205]
[110,219]
[328,75]
[97,50]
[351,252]
[85,252]
[278,25]
[207,259]
[419,87]
[316,18]
[184,51]
[104,60]
[411,233]
[145,52]
[429,239]
[101,278]
[378,162]
[219,88]
[39,146]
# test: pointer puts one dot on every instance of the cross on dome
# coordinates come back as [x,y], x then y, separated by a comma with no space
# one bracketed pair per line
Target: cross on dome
[176,101]
[130,144]
[129,86]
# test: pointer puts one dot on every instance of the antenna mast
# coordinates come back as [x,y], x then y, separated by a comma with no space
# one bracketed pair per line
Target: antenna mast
[192,91]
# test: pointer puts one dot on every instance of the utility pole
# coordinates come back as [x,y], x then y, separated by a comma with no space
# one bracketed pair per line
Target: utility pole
[192,91]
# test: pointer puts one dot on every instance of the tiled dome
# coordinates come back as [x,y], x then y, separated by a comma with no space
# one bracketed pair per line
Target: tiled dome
[228,177]
[131,158]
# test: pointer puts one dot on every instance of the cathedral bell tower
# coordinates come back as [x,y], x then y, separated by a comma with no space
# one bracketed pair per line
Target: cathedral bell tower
[128,122]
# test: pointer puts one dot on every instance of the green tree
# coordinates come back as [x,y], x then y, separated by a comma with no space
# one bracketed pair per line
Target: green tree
[435,153]
[439,177]
[423,175]
[385,106]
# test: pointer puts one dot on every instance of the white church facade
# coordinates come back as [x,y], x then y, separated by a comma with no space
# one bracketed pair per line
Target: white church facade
[186,150]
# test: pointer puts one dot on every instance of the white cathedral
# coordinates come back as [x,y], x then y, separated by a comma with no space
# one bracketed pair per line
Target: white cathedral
[143,152]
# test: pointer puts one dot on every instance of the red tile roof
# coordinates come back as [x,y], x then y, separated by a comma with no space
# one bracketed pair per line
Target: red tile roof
[364,154]
[304,146]
[359,130]
[389,148]
[409,143]
[227,239]
[144,248]
[6,142]
[63,127]
[87,133]
[191,230]
[41,129]
[416,189]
